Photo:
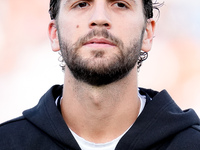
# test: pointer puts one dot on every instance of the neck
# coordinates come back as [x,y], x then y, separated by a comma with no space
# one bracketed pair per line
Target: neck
[100,114]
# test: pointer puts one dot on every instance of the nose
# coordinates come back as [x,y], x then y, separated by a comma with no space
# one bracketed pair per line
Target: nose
[100,17]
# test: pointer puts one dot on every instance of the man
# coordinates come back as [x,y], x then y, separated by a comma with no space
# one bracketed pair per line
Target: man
[100,106]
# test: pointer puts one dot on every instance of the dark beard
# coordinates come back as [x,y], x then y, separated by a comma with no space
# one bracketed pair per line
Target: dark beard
[100,74]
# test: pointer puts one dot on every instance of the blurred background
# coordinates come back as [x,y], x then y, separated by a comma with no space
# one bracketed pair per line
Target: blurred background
[28,67]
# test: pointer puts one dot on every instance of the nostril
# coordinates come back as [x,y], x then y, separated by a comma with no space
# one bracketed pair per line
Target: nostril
[106,24]
[97,24]
[93,24]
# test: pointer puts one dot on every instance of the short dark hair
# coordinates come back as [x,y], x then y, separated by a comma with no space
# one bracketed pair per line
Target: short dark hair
[148,8]
[54,8]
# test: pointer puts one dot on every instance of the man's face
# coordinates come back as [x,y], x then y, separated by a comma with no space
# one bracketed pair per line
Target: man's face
[100,40]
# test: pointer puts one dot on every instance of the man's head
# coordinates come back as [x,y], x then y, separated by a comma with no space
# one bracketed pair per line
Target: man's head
[101,40]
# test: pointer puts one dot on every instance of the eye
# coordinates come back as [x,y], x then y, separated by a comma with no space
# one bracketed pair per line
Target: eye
[121,5]
[80,5]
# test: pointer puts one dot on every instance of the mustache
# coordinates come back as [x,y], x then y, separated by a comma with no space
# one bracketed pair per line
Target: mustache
[99,33]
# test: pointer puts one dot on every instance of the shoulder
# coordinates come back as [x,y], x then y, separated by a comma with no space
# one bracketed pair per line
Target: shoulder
[19,133]
[11,132]
[10,125]
[15,128]
[187,139]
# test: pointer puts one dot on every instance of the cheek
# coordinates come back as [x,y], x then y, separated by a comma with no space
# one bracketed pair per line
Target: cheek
[129,32]
[70,32]
[71,27]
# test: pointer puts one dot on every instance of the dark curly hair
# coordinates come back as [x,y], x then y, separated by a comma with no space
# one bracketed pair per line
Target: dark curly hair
[149,6]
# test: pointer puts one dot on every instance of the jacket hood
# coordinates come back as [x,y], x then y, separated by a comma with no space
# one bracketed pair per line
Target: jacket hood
[160,120]
[46,116]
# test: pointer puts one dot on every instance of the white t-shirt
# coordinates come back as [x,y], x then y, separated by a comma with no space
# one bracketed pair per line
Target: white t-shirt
[86,145]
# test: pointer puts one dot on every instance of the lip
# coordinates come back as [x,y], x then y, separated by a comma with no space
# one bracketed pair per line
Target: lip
[99,42]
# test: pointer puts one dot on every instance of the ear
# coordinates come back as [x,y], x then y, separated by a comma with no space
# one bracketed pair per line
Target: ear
[148,35]
[53,36]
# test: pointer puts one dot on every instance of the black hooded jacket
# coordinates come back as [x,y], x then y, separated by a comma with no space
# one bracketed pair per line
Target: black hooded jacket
[161,126]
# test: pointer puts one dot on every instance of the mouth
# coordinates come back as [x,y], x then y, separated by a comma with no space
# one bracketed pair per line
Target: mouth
[99,42]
